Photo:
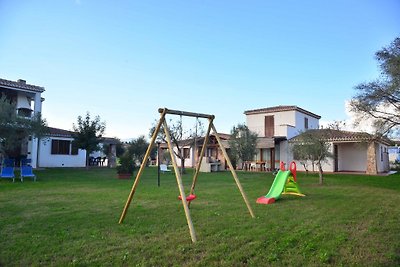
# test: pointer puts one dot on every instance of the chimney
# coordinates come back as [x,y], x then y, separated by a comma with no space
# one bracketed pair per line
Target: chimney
[21,81]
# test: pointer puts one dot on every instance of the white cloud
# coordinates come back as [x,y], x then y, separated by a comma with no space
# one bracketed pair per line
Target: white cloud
[349,124]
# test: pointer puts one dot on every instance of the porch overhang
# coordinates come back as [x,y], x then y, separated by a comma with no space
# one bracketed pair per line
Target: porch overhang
[265,142]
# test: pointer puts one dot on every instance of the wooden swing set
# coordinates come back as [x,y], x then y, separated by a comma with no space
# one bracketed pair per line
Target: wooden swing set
[185,199]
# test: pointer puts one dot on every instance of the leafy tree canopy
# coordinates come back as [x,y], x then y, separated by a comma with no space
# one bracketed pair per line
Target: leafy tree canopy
[312,146]
[88,134]
[179,136]
[380,99]
[137,148]
[242,143]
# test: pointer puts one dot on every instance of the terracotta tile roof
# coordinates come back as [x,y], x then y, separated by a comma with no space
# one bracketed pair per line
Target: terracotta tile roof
[59,132]
[110,140]
[280,109]
[345,136]
[21,84]
[56,132]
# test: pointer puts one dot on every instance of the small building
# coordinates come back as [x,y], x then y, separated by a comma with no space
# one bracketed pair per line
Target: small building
[58,149]
[352,152]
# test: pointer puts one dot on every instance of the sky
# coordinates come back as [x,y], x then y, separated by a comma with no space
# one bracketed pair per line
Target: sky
[122,60]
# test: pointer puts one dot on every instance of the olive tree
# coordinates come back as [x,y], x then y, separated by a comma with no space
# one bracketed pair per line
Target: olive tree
[312,146]
[379,100]
[88,134]
[242,143]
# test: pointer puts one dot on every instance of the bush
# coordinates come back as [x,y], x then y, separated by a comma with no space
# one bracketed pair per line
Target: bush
[126,164]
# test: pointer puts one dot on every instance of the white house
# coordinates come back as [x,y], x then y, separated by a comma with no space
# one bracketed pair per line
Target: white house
[274,126]
[57,149]
[28,99]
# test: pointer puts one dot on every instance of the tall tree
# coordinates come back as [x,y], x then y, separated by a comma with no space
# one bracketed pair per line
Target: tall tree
[380,99]
[14,129]
[312,146]
[137,148]
[242,143]
[88,134]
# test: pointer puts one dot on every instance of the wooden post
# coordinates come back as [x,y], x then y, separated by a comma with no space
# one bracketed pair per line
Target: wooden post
[142,166]
[232,171]
[180,184]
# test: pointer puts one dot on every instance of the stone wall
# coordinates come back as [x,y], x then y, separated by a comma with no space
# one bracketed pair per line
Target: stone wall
[371,159]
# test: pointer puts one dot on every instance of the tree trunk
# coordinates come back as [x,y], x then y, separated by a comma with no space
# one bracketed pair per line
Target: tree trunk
[320,172]
[87,160]
[182,166]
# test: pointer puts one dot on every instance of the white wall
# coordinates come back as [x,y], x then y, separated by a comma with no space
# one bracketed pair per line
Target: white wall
[287,123]
[382,158]
[327,165]
[352,157]
[313,123]
[284,152]
[46,159]
[256,122]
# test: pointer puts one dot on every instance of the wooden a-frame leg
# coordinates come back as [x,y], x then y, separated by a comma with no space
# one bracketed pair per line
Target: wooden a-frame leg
[180,185]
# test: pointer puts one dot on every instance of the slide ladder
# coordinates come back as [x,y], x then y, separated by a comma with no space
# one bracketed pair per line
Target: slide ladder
[285,182]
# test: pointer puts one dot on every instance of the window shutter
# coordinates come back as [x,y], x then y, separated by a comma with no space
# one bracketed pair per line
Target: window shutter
[269,125]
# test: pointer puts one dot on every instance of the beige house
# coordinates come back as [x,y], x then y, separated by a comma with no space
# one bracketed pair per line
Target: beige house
[274,127]
[213,159]
[277,128]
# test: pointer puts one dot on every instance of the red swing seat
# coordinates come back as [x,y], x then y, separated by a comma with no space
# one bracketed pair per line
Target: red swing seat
[188,198]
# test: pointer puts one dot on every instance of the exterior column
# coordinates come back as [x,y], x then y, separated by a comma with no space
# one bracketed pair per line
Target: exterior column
[35,141]
[34,152]
[371,159]
[38,103]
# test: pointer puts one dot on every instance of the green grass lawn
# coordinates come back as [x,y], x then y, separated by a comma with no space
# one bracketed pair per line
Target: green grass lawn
[70,217]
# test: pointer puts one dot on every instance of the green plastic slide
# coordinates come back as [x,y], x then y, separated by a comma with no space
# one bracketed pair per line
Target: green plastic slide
[283,184]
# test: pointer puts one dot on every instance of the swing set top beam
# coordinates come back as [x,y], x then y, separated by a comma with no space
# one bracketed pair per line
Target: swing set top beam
[185,113]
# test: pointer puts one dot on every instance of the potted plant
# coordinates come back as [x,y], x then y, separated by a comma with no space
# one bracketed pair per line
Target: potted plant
[125,167]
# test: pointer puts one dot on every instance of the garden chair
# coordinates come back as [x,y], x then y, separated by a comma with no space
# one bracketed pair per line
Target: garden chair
[9,162]
[26,171]
[7,172]
[164,168]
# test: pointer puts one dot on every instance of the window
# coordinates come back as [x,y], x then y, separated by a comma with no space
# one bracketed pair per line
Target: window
[60,147]
[74,148]
[186,152]
[306,123]
[64,147]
